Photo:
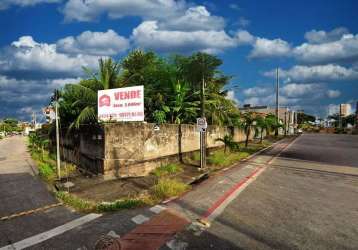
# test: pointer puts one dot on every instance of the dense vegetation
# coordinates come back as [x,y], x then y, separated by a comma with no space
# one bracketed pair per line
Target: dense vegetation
[172,89]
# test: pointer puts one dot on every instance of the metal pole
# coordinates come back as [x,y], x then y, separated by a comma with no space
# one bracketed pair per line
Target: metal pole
[202,134]
[277,104]
[57,142]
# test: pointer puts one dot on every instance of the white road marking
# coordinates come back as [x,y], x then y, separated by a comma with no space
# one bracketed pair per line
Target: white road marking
[139,219]
[33,240]
[157,209]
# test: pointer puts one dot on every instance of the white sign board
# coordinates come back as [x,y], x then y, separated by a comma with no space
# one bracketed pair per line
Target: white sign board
[201,124]
[122,104]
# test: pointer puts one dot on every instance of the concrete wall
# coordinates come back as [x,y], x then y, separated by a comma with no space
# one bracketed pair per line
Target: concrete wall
[135,149]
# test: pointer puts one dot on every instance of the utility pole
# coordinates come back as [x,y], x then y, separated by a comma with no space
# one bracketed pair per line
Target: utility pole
[286,121]
[340,116]
[57,140]
[277,104]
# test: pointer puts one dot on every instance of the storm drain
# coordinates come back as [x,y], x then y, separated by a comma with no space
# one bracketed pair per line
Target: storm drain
[2,158]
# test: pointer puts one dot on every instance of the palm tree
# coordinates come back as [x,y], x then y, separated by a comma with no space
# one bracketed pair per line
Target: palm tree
[264,123]
[180,108]
[79,101]
[248,121]
[227,140]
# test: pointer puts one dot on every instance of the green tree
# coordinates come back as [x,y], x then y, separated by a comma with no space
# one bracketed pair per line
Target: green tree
[229,142]
[78,102]
[248,120]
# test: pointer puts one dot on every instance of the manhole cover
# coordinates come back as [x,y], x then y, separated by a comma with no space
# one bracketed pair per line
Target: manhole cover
[2,158]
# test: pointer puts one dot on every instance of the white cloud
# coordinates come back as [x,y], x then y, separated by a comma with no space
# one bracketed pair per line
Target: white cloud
[22,97]
[170,14]
[270,100]
[148,36]
[344,49]
[84,10]
[231,96]
[299,90]
[333,93]
[244,37]
[257,91]
[4,4]
[28,57]
[321,36]
[94,43]
[264,48]
[194,18]
[329,72]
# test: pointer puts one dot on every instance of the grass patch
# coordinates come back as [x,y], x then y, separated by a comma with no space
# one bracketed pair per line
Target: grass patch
[166,188]
[46,171]
[119,204]
[169,169]
[75,202]
[89,206]
[220,159]
[196,156]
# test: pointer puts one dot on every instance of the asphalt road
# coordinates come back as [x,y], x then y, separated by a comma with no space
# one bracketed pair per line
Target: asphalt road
[306,199]
[22,191]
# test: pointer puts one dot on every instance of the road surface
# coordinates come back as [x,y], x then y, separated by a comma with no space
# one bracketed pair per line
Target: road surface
[306,199]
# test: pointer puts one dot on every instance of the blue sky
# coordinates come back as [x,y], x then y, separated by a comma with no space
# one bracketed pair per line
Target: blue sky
[44,43]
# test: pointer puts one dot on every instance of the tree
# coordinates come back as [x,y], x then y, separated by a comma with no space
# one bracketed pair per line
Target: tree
[263,124]
[78,102]
[248,120]
[303,118]
[228,143]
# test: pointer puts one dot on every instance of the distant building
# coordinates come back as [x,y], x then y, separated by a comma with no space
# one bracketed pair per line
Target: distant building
[344,109]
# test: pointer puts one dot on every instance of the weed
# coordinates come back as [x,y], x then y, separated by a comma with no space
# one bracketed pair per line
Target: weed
[75,202]
[166,188]
[221,159]
[196,156]
[167,170]
[46,171]
[119,204]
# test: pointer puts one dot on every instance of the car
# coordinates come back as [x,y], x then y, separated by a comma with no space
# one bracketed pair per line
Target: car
[299,131]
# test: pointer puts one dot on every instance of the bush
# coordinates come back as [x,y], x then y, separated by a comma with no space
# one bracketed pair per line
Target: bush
[166,188]
[222,159]
[46,171]
[167,170]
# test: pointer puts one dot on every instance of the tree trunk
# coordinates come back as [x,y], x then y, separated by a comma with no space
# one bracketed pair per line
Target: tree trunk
[262,130]
[180,154]
[247,136]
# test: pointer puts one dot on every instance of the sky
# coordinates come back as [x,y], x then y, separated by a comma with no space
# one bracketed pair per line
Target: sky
[45,43]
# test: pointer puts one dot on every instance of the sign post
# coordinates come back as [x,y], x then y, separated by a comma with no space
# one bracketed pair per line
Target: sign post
[202,126]
[121,104]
